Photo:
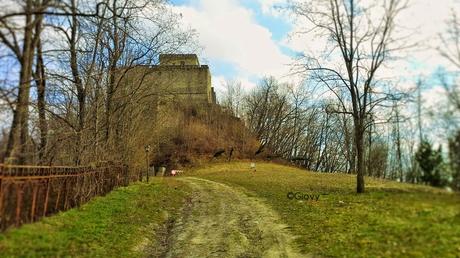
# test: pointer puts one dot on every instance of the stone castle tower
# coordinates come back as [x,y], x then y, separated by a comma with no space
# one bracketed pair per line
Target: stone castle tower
[177,77]
[182,77]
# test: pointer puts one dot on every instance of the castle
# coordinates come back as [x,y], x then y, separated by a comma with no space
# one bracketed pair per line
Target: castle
[177,78]
[187,79]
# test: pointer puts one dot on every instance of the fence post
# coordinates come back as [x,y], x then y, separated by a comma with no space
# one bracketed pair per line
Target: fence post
[34,202]
[58,197]
[45,206]
[147,150]
[18,205]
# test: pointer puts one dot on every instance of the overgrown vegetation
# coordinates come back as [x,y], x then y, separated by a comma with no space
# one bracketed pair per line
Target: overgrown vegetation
[390,220]
[125,223]
[192,135]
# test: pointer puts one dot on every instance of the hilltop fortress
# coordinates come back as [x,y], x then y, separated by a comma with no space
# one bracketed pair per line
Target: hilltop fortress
[185,78]
[178,78]
[173,107]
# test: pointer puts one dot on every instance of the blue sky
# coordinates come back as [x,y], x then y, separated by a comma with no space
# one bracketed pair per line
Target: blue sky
[278,26]
[242,40]
[247,39]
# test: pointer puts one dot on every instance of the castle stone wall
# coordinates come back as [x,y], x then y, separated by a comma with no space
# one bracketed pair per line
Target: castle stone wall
[178,78]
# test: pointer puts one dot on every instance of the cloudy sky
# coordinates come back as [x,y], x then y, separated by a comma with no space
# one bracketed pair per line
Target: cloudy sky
[241,39]
[248,39]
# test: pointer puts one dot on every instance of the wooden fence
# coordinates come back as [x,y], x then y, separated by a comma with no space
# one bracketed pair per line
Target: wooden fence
[28,193]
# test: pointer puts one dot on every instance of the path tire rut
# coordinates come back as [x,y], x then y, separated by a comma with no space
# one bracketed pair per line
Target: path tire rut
[220,221]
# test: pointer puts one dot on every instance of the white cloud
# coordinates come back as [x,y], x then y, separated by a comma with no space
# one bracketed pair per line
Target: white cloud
[219,81]
[429,20]
[268,6]
[219,84]
[423,21]
[434,98]
[229,33]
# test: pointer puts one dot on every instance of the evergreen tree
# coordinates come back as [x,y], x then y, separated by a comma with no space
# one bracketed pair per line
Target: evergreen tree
[430,162]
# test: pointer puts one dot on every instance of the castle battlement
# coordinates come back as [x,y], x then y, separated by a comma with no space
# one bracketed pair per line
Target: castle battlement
[180,67]
[179,59]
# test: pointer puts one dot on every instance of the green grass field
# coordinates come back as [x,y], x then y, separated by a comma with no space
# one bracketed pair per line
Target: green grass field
[390,220]
[121,224]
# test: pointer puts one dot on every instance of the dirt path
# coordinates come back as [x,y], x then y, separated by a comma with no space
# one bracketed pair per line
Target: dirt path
[220,221]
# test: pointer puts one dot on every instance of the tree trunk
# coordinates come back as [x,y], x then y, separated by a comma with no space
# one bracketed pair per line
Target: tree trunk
[113,63]
[81,91]
[353,159]
[359,142]
[16,146]
[368,162]
[40,81]
[108,108]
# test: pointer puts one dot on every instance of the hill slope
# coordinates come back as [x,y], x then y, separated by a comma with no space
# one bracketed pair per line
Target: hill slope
[275,210]
[391,219]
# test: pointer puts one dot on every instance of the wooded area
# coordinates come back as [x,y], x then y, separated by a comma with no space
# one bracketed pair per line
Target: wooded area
[368,125]
[69,56]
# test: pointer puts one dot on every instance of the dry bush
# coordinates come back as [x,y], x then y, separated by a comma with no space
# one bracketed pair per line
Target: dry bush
[196,133]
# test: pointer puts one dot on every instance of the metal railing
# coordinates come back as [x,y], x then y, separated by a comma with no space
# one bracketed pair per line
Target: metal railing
[28,193]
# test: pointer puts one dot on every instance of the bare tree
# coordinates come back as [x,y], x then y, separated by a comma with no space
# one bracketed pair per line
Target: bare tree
[267,110]
[86,112]
[21,39]
[396,135]
[233,97]
[450,50]
[364,39]
[292,126]
[40,81]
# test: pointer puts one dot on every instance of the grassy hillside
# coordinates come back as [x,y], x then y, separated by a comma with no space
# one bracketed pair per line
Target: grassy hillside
[390,220]
[121,224]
